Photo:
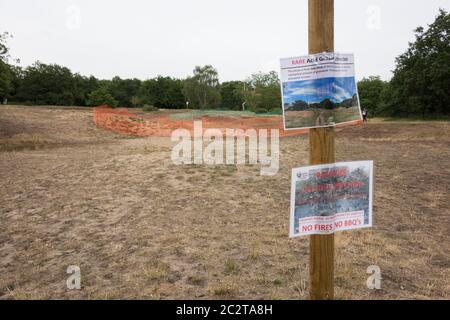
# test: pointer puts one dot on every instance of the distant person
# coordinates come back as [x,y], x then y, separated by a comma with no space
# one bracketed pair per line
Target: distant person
[364,114]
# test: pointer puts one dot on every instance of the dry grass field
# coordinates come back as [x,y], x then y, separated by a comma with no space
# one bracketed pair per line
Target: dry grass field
[141,227]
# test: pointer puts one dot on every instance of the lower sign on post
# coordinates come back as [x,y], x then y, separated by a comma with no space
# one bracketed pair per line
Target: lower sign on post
[331,197]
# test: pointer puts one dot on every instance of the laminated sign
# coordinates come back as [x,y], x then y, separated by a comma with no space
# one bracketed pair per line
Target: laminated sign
[319,90]
[331,197]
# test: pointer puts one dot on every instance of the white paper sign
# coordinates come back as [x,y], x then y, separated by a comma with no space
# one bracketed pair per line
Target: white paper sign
[319,91]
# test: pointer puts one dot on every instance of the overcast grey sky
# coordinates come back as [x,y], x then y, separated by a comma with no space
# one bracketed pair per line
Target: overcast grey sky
[137,38]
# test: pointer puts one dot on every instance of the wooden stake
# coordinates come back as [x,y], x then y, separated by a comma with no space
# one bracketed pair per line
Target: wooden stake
[322,150]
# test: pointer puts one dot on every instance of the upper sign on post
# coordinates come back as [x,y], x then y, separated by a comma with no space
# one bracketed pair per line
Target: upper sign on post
[319,90]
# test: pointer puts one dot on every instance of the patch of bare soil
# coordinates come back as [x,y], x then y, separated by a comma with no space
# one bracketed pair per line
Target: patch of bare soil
[141,227]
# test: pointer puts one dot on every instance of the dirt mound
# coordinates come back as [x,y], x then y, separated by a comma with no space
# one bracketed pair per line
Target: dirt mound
[123,121]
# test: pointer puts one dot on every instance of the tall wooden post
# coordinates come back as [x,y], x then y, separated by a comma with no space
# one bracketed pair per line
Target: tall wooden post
[321,144]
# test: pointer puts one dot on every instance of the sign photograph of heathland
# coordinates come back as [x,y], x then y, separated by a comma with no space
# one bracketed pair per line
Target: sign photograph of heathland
[331,197]
[319,91]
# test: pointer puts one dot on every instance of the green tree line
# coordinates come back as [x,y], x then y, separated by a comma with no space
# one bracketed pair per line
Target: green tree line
[52,84]
[420,85]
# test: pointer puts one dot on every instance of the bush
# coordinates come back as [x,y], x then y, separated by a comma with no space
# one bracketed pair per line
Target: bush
[149,108]
[100,97]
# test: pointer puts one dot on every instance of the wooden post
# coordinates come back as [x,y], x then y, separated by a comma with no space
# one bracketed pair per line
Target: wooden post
[321,144]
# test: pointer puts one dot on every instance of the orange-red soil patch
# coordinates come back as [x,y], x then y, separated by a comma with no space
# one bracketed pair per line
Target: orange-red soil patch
[122,120]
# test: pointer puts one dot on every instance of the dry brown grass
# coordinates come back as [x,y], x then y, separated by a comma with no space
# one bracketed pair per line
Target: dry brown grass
[23,141]
[140,227]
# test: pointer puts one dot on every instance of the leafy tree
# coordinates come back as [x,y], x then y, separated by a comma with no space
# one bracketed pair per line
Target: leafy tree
[202,89]
[3,46]
[162,92]
[232,93]
[264,93]
[123,90]
[83,86]
[16,74]
[5,80]
[101,96]
[421,81]
[4,49]
[370,93]
[49,84]
[6,70]
[326,104]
